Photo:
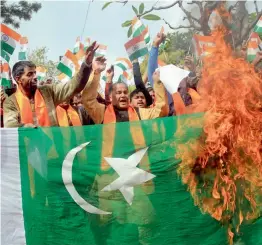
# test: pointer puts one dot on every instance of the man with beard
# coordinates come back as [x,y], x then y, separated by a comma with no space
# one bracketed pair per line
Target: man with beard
[30,106]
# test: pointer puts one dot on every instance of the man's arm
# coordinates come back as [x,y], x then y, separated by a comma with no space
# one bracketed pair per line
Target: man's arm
[95,110]
[11,114]
[109,82]
[140,84]
[64,91]
[161,105]
[152,64]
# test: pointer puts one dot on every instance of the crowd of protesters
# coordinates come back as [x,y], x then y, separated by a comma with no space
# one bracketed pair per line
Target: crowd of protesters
[77,102]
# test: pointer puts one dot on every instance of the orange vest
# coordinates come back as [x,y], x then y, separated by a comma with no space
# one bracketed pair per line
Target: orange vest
[26,113]
[110,116]
[179,103]
[62,116]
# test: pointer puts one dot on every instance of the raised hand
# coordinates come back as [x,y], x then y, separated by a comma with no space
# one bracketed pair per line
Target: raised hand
[99,64]
[110,74]
[160,38]
[90,53]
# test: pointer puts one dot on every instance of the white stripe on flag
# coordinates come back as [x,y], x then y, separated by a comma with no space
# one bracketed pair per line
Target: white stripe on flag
[12,222]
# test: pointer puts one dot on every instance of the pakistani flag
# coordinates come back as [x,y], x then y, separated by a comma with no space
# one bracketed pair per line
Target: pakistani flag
[114,184]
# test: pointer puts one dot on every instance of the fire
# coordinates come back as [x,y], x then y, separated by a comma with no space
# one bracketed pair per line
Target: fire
[227,159]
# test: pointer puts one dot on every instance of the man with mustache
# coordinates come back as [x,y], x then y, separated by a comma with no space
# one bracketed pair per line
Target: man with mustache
[120,109]
[30,106]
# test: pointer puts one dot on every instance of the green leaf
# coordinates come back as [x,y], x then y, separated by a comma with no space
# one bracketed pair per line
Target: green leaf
[151,17]
[135,10]
[127,23]
[129,33]
[106,5]
[141,8]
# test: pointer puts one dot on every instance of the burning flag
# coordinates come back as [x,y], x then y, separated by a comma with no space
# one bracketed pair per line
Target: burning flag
[202,44]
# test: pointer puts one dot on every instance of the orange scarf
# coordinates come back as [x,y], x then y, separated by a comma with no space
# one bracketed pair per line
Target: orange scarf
[63,119]
[26,113]
[179,103]
[110,116]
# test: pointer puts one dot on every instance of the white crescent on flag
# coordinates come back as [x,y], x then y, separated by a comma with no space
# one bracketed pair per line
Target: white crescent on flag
[68,182]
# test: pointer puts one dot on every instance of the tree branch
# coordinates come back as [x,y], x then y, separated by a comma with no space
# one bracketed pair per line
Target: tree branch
[124,2]
[199,4]
[232,7]
[255,2]
[251,26]
[158,8]
[178,27]
[190,17]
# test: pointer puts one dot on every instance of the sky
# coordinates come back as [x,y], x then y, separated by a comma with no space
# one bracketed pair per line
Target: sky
[58,23]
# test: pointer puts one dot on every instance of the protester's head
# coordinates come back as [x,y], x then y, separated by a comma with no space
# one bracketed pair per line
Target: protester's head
[137,98]
[77,100]
[65,105]
[24,73]
[192,80]
[152,93]
[49,81]
[119,95]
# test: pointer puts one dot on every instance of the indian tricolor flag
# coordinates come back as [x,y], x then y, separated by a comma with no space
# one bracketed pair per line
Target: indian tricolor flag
[63,78]
[123,63]
[69,64]
[253,46]
[22,55]
[101,51]
[139,28]
[6,80]
[106,184]
[146,35]
[8,39]
[202,44]
[77,45]
[87,43]
[40,73]
[258,26]
[136,48]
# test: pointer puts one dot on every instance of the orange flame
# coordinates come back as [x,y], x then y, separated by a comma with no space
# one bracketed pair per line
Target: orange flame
[231,147]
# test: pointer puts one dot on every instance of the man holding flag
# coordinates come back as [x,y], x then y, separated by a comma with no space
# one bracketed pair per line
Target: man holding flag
[31,106]
[120,109]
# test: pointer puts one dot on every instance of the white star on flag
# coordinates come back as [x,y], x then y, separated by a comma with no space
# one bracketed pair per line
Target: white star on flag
[129,174]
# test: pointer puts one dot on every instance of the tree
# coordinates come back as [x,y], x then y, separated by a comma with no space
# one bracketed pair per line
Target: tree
[234,17]
[39,57]
[12,13]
